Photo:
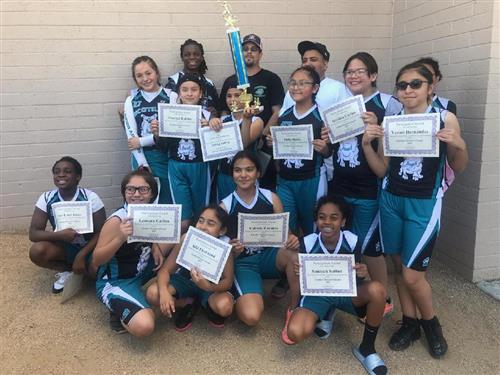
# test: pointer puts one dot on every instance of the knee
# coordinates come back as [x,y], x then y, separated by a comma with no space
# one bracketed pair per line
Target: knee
[152,295]
[298,331]
[377,291]
[142,324]
[38,252]
[223,306]
[412,279]
[251,317]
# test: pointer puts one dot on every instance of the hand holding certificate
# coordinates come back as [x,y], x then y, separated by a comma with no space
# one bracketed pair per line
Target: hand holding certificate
[263,229]
[293,142]
[224,143]
[344,120]
[204,252]
[411,135]
[76,215]
[179,120]
[159,223]
[327,275]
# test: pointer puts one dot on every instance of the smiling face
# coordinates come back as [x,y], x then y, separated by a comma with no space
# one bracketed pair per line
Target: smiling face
[414,100]
[358,79]
[65,176]
[330,221]
[190,93]
[192,58]
[302,87]
[209,223]
[138,184]
[146,77]
[245,174]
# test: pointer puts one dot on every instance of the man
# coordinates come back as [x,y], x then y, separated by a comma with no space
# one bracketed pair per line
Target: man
[264,85]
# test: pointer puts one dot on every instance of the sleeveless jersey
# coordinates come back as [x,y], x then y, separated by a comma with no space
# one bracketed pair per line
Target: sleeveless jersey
[444,103]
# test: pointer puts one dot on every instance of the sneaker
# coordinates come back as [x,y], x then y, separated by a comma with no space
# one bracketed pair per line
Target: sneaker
[280,288]
[405,335]
[61,278]
[214,319]
[325,327]
[434,334]
[184,316]
[389,308]
[115,323]
[284,331]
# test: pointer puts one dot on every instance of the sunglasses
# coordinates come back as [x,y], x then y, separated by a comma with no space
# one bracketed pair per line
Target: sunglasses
[414,84]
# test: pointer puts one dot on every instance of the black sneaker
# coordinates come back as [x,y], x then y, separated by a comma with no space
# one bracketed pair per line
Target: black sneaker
[280,288]
[214,319]
[405,335]
[115,323]
[184,316]
[434,334]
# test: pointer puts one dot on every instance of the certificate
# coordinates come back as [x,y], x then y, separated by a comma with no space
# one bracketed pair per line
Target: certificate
[159,223]
[179,120]
[220,144]
[293,142]
[263,229]
[327,275]
[411,135]
[344,119]
[204,252]
[76,215]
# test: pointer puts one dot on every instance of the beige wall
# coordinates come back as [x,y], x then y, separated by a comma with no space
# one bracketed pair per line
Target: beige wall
[66,70]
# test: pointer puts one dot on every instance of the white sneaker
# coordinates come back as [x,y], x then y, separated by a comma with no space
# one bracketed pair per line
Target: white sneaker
[325,327]
[61,278]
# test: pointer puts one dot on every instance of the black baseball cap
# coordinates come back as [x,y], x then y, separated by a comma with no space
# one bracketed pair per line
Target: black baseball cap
[189,77]
[307,45]
[252,38]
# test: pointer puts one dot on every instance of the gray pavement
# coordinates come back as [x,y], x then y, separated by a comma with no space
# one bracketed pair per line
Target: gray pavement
[40,334]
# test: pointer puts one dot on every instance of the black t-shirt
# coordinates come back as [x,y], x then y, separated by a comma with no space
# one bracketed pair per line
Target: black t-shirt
[265,85]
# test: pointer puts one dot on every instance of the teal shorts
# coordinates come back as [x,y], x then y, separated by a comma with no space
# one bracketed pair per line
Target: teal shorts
[71,250]
[322,305]
[158,163]
[409,228]
[225,186]
[185,288]
[250,270]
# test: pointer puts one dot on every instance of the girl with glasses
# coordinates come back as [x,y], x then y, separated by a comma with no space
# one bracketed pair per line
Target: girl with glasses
[410,207]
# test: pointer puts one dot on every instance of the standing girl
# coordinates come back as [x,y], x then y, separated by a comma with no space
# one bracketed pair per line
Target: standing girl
[141,109]
[64,250]
[410,208]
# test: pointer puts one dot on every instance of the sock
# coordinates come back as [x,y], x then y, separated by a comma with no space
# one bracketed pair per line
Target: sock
[367,346]
[429,322]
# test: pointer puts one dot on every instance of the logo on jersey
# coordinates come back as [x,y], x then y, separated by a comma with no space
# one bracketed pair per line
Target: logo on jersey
[425,262]
[348,152]
[146,124]
[186,149]
[411,166]
[260,91]
[377,247]
[125,314]
[293,163]
[286,123]
[144,257]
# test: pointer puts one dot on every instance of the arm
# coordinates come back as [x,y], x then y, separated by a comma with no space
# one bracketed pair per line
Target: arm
[273,120]
[376,160]
[38,233]
[225,282]
[113,234]
[250,131]
[167,302]
[133,140]
[457,154]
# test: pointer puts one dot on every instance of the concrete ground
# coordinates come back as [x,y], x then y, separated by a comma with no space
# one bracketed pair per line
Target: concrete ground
[41,335]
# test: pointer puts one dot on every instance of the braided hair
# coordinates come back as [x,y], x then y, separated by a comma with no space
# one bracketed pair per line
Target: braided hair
[202,69]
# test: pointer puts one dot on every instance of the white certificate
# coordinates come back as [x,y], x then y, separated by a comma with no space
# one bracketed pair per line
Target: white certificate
[344,119]
[293,142]
[411,135]
[327,275]
[159,223]
[76,215]
[204,252]
[179,120]
[263,230]
[221,144]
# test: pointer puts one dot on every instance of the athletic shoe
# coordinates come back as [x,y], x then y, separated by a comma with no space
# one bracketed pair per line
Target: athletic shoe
[214,319]
[284,331]
[405,335]
[280,288]
[325,327]
[389,307]
[61,278]
[184,316]
[434,334]
[115,323]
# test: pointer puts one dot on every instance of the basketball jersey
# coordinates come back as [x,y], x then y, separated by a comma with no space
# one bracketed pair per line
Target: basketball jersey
[444,103]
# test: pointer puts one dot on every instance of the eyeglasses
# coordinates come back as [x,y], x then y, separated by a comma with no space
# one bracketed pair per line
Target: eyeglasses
[357,72]
[251,49]
[299,84]
[141,189]
[414,84]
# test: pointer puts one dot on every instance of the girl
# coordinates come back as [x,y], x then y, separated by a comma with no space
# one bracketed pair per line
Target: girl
[141,108]
[252,264]
[437,101]
[121,267]
[331,214]
[251,129]
[410,208]
[64,250]
[188,174]
[192,55]
[302,182]
[174,282]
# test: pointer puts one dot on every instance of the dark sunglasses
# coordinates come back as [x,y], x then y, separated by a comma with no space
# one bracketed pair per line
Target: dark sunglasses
[414,84]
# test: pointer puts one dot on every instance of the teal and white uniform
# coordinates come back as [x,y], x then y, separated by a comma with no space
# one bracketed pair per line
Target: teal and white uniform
[302,182]
[410,205]
[140,109]
[444,103]
[254,263]
[47,199]
[119,282]
[354,180]
[347,244]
